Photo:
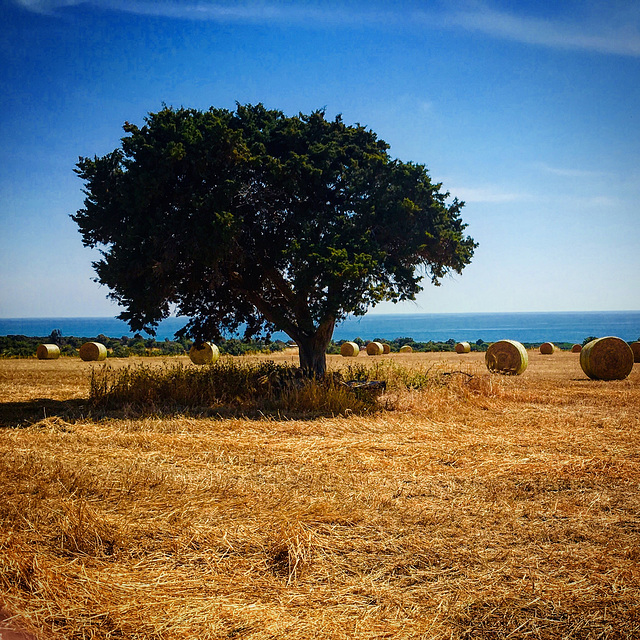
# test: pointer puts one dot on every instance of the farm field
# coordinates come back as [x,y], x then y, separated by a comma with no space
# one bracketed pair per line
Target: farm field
[480,506]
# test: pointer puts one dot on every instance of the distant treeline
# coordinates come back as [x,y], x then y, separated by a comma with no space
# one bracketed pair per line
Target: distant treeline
[25,346]
[448,345]
[124,347]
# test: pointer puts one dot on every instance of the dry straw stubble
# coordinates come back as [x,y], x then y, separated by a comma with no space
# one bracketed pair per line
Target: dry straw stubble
[349,349]
[484,508]
[48,352]
[507,356]
[93,351]
[607,358]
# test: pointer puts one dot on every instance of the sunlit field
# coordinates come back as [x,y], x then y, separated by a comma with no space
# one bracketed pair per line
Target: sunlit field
[478,506]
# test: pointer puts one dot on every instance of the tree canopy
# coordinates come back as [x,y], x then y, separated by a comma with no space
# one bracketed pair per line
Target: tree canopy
[252,218]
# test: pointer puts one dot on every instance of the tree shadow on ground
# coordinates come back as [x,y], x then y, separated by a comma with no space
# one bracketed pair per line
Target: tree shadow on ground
[10,629]
[16,415]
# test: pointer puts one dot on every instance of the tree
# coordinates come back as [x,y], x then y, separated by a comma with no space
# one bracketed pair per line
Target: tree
[252,218]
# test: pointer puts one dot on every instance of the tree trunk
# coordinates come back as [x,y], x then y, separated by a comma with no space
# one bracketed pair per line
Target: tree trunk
[312,350]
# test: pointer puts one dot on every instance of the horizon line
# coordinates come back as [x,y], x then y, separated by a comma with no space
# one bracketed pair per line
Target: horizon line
[415,313]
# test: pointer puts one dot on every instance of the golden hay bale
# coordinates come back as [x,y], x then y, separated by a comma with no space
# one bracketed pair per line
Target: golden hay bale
[375,349]
[607,358]
[206,353]
[406,349]
[48,351]
[386,348]
[635,347]
[547,348]
[507,356]
[463,347]
[93,351]
[349,349]
[577,348]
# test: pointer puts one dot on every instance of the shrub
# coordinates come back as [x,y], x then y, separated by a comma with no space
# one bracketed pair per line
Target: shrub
[240,387]
[395,376]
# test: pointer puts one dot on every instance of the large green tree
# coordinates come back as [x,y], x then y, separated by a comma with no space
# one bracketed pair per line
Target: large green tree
[253,219]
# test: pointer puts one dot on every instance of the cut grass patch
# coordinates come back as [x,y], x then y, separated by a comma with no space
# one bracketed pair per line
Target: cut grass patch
[482,507]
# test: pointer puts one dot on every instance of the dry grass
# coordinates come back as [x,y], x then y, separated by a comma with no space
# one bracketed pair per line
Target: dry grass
[480,507]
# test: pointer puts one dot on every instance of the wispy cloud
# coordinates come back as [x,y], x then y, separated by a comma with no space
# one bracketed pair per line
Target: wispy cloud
[573,173]
[601,202]
[46,6]
[614,31]
[270,12]
[491,194]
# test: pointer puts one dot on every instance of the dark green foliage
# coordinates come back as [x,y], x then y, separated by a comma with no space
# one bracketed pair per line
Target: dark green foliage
[253,218]
[18,346]
[235,347]
[588,340]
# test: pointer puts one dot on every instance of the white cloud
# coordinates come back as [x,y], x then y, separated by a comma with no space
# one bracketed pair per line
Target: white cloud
[596,201]
[46,6]
[273,11]
[614,31]
[489,193]
[573,173]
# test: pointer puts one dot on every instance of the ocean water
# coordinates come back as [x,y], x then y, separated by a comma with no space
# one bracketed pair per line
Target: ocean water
[525,327]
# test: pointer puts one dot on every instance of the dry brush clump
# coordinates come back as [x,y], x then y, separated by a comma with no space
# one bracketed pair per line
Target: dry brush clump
[245,387]
[483,506]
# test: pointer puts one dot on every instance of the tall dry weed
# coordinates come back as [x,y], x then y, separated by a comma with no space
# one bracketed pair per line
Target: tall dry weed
[245,387]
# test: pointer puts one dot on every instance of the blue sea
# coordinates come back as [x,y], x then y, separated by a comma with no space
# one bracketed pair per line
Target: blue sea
[422,327]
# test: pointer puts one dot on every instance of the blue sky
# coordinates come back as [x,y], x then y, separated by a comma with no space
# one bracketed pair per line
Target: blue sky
[528,111]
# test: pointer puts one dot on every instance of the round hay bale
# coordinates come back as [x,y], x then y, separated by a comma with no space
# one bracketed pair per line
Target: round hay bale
[206,353]
[635,347]
[507,356]
[607,358]
[406,349]
[463,347]
[349,349]
[577,348]
[375,349]
[93,351]
[48,352]
[386,348]
[547,348]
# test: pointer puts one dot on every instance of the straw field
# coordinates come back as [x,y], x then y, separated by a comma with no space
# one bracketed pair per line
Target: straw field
[477,506]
